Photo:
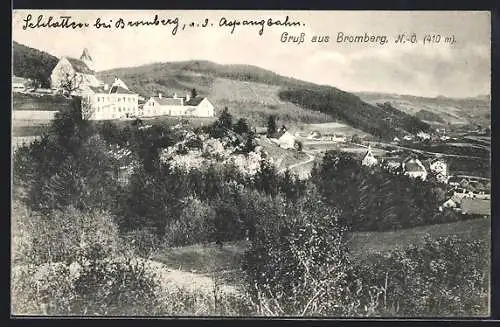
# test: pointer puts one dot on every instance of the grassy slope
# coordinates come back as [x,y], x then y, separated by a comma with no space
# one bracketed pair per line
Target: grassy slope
[209,258]
[255,93]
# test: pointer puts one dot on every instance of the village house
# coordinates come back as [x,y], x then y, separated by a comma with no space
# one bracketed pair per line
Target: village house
[314,135]
[396,140]
[414,168]
[369,159]
[408,137]
[423,136]
[178,106]
[20,84]
[283,138]
[336,137]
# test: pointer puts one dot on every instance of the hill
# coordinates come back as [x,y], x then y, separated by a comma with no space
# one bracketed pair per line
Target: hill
[32,63]
[439,110]
[255,93]
[248,91]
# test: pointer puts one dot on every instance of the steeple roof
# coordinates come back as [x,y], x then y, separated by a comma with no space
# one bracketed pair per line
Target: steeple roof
[85,55]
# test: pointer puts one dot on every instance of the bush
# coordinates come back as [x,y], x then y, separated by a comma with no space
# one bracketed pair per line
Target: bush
[65,235]
[443,277]
[116,287]
[195,224]
[98,287]
[297,261]
[143,241]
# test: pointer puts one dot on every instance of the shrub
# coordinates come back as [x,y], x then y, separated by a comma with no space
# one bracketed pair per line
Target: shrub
[195,224]
[443,277]
[143,241]
[65,235]
[97,287]
[116,287]
[297,261]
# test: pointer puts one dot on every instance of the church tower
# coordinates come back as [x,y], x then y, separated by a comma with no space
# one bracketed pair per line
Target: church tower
[87,59]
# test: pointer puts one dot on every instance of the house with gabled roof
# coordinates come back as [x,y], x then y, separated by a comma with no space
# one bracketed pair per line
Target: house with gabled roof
[178,106]
[414,168]
[369,159]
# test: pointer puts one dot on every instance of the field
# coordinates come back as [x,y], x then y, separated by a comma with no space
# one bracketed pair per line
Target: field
[48,102]
[211,261]
[256,102]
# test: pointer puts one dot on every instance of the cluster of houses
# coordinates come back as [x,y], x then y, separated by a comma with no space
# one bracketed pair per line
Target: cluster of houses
[467,194]
[105,101]
[439,134]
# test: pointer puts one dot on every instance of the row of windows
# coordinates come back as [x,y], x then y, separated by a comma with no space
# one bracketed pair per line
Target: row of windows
[119,109]
[119,99]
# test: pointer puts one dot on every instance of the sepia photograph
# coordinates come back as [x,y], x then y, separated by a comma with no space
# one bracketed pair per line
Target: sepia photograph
[229,163]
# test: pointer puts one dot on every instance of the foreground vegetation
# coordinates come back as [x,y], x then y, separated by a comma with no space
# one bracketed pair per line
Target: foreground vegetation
[83,238]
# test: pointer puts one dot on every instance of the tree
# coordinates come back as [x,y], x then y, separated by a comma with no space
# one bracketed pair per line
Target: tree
[356,139]
[69,80]
[299,146]
[194,93]
[226,119]
[250,142]
[241,126]
[223,124]
[271,125]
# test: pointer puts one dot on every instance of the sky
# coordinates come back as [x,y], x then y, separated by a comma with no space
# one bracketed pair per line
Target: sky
[461,69]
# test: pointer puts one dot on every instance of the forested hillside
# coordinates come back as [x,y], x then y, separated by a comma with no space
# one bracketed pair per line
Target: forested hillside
[32,63]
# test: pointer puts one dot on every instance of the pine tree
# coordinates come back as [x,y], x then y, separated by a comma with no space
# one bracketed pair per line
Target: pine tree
[271,125]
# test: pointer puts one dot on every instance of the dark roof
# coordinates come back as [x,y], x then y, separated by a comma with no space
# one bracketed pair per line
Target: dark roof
[168,101]
[79,66]
[85,55]
[413,166]
[120,90]
[114,90]
[368,153]
[277,135]
[194,101]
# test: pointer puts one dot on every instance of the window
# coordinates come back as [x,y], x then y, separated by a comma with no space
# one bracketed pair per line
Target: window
[119,99]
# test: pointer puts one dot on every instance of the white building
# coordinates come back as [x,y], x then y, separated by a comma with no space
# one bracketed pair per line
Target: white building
[178,106]
[415,169]
[423,136]
[369,159]
[113,102]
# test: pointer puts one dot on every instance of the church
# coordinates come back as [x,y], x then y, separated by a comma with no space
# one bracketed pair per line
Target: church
[102,101]
[73,75]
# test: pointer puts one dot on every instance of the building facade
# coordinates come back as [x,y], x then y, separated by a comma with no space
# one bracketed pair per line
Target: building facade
[115,102]
[178,106]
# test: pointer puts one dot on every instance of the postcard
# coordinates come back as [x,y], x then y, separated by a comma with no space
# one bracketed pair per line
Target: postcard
[225,163]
